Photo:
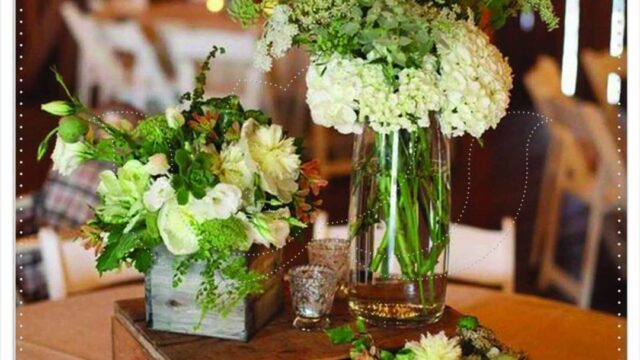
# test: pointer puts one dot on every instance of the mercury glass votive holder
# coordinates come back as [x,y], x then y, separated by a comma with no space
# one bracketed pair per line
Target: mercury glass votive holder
[334,254]
[312,291]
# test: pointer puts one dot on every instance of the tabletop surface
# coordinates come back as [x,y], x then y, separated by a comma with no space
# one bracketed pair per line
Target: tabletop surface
[277,340]
[79,327]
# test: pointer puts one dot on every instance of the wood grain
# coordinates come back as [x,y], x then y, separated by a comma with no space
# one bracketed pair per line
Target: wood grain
[277,340]
[175,309]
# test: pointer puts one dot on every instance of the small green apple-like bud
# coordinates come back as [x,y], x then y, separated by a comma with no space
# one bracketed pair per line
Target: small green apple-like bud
[71,129]
[468,322]
[59,108]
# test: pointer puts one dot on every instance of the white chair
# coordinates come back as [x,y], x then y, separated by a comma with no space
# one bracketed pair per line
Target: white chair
[70,268]
[98,65]
[148,85]
[482,256]
[477,256]
[187,47]
[143,85]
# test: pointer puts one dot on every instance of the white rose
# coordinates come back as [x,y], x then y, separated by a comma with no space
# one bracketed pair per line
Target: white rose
[174,225]
[68,157]
[220,202]
[157,164]
[174,117]
[158,194]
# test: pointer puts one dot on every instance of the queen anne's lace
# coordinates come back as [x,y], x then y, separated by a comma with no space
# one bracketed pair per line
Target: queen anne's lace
[276,39]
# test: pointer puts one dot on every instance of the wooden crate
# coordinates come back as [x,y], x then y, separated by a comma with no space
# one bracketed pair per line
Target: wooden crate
[175,309]
[133,340]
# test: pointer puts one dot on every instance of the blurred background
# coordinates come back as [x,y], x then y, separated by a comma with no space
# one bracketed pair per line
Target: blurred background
[553,165]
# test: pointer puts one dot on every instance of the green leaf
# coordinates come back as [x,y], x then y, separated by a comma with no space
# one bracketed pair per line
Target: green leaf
[182,159]
[295,222]
[340,335]
[386,355]
[142,260]
[361,326]
[198,192]
[44,145]
[116,251]
[182,195]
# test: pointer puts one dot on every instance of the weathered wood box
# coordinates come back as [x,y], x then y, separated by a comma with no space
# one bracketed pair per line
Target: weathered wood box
[175,309]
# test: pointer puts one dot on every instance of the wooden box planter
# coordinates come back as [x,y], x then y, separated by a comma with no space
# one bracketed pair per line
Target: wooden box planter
[175,309]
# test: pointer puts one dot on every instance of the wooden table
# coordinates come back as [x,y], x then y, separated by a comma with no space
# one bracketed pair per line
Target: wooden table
[133,340]
[80,327]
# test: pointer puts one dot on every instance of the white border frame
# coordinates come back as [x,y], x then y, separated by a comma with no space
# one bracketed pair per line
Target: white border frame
[7,179]
[633,181]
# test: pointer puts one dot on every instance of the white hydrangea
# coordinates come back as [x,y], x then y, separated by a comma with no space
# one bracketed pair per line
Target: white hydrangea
[379,104]
[345,93]
[475,80]
[332,92]
[418,91]
[277,37]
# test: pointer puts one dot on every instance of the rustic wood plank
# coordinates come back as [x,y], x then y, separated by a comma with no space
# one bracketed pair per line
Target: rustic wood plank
[175,309]
[277,340]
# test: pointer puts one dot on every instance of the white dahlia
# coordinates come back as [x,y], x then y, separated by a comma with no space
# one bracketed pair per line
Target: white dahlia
[435,347]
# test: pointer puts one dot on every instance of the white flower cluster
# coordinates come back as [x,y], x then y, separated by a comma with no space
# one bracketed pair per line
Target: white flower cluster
[475,80]
[344,93]
[276,39]
[467,85]
[263,153]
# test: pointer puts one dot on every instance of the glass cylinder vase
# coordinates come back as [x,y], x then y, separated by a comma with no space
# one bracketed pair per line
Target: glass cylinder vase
[399,226]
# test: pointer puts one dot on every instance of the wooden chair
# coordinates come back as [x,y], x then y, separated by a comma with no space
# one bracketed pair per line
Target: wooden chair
[597,185]
[70,268]
[543,85]
[477,256]
[598,65]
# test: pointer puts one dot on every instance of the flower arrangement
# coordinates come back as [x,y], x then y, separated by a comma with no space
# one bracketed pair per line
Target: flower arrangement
[472,342]
[390,63]
[208,182]
[407,74]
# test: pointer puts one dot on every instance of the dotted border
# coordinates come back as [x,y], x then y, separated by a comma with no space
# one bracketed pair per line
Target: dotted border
[20,103]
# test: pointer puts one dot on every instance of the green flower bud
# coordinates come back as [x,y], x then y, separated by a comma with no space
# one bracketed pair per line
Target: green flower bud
[59,108]
[468,322]
[72,129]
